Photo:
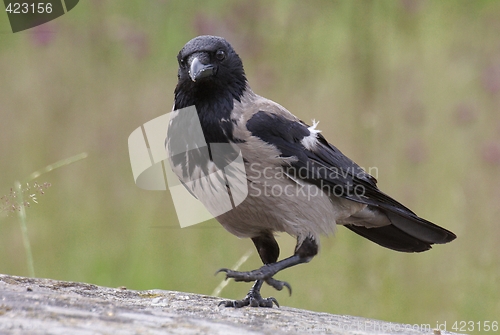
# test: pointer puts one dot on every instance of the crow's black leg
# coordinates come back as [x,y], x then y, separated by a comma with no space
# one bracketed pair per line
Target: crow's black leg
[268,250]
[267,247]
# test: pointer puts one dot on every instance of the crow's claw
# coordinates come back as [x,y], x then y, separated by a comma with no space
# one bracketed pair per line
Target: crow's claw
[221,270]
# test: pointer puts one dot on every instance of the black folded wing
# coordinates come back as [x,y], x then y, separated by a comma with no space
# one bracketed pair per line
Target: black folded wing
[318,162]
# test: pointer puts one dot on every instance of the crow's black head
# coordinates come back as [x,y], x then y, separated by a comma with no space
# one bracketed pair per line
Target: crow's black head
[210,73]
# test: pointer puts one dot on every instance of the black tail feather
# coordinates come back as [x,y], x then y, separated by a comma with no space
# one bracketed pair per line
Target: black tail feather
[407,232]
[391,237]
[419,228]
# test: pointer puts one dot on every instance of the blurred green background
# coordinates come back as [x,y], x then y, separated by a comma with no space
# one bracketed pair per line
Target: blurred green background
[410,88]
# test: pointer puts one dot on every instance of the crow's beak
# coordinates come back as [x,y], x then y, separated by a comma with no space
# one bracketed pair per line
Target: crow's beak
[198,70]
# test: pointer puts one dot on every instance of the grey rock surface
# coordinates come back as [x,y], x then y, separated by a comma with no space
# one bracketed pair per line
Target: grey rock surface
[45,306]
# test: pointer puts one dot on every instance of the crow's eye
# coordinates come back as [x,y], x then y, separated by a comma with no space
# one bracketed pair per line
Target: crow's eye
[182,63]
[220,55]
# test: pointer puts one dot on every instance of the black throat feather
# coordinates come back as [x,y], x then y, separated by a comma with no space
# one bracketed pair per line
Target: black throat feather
[214,102]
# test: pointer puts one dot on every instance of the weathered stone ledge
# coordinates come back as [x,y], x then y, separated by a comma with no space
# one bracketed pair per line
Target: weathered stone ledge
[45,306]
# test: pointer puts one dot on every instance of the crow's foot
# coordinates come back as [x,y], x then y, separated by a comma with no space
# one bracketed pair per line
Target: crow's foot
[247,276]
[265,273]
[252,299]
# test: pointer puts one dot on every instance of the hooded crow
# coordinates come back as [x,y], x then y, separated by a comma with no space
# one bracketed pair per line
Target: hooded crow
[297,182]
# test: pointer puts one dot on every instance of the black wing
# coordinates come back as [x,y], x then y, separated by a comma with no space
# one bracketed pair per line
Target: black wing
[325,166]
